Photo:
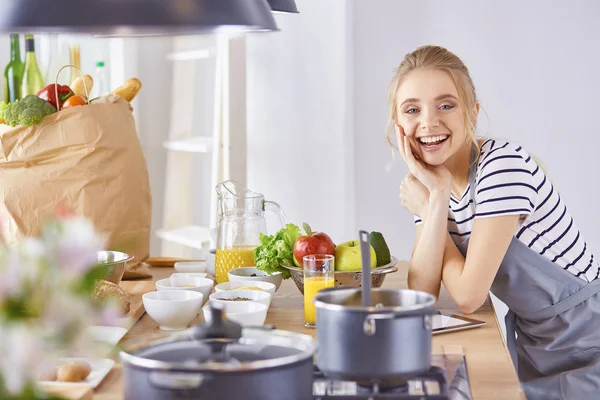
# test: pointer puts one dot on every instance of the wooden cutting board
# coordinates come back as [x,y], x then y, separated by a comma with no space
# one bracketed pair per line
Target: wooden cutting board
[69,392]
[135,290]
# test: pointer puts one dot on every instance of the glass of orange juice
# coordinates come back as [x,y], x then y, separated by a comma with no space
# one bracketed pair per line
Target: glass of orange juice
[318,274]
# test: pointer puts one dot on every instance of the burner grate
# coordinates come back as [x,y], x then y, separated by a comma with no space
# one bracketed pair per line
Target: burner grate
[446,380]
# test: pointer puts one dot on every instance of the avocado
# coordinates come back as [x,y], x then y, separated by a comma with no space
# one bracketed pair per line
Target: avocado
[382,251]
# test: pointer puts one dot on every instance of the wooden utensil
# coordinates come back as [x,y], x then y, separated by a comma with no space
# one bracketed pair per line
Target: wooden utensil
[166,261]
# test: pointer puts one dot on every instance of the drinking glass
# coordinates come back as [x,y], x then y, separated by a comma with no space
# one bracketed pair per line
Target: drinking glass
[318,274]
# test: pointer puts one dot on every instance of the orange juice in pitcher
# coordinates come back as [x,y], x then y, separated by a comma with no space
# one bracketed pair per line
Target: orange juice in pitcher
[240,223]
[234,257]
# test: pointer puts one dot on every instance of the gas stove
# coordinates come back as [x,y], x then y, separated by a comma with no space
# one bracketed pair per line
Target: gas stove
[446,380]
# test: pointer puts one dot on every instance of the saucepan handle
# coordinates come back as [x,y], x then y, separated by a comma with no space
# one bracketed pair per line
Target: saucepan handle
[177,380]
[369,324]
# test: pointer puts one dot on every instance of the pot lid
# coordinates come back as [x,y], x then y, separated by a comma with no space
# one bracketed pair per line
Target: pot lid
[391,300]
[257,348]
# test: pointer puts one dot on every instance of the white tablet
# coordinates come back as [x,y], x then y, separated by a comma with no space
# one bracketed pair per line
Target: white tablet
[443,322]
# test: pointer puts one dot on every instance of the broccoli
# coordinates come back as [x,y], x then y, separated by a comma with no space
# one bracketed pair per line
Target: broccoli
[29,111]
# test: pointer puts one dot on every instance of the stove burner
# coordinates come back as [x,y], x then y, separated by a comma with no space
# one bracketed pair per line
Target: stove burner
[446,380]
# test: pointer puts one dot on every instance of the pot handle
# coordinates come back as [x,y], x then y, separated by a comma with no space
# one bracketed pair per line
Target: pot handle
[369,324]
[176,380]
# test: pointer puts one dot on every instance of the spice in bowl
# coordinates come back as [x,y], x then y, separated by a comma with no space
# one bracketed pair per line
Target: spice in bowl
[250,288]
[236,299]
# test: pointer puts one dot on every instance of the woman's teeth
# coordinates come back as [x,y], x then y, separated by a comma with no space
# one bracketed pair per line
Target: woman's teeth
[430,140]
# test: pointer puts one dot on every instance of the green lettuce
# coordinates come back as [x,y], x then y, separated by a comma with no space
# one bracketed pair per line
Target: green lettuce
[277,251]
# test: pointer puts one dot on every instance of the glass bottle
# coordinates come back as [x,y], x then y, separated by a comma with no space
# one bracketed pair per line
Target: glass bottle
[13,73]
[33,80]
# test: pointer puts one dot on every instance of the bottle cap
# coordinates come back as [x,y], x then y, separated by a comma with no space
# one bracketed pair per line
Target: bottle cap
[100,64]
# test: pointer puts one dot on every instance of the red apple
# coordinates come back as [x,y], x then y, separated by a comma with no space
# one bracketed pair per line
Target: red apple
[312,243]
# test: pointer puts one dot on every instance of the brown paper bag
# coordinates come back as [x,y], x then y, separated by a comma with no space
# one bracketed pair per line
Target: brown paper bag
[88,159]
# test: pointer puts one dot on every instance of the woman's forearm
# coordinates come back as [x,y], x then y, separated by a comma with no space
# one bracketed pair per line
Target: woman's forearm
[425,272]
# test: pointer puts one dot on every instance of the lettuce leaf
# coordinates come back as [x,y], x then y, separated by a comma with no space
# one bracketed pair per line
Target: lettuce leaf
[276,251]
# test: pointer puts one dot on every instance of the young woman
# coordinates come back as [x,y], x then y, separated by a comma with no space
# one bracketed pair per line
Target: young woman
[488,218]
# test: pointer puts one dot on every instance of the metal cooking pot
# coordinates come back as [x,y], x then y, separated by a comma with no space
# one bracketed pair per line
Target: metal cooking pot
[207,362]
[390,338]
[373,336]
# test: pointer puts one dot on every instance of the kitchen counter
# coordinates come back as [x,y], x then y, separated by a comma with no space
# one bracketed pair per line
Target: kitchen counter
[490,369]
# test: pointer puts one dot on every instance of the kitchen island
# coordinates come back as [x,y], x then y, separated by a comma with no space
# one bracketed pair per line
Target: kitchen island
[490,369]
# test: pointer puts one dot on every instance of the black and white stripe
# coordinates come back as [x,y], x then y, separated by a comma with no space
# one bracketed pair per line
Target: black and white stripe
[509,182]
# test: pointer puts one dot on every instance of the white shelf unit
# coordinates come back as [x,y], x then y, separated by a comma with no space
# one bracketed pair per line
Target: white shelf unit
[192,236]
[224,150]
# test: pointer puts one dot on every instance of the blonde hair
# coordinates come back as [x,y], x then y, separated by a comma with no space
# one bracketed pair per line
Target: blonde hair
[435,58]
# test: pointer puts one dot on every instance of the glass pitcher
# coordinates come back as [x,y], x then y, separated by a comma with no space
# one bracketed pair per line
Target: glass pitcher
[241,219]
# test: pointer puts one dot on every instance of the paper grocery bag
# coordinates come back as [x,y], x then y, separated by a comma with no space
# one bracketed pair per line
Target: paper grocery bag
[88,159]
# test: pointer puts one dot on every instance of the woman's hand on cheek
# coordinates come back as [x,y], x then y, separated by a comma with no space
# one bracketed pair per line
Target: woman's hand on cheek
[414,196]
[436,179]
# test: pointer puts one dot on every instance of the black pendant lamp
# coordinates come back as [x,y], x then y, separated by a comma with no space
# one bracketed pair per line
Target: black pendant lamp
[136,17]
[286,6]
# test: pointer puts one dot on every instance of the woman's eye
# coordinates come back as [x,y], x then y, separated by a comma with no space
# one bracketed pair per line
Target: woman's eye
[411,111]
[446,107]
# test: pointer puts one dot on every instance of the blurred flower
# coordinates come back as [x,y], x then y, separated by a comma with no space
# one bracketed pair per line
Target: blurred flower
[45,300]
[10,275]
[21,353]
[75,244]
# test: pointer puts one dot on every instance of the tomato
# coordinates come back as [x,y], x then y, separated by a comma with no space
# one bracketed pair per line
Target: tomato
[74,101]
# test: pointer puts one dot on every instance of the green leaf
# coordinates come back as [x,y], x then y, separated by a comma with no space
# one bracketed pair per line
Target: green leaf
[277,251]
[307,228]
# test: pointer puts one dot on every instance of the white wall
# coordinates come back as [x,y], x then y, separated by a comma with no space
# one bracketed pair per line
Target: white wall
[299,136]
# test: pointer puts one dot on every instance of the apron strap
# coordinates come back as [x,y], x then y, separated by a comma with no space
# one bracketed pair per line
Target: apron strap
[576,298]
[510,319]
[472,175]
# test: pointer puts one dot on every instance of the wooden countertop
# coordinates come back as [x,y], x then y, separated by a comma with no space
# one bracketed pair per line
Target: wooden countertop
[491,372]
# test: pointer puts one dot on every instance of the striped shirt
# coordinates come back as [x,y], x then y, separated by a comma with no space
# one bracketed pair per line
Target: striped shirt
[510,182]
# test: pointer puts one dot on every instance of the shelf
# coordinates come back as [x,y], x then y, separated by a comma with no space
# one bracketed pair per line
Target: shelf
[191,145]
[196,237]
[190,55]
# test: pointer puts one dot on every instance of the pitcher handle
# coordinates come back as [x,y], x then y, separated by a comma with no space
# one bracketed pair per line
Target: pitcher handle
[272,206]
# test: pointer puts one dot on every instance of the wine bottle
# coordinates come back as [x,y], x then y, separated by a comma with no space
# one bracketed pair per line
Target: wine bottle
[13,73]
[33,81]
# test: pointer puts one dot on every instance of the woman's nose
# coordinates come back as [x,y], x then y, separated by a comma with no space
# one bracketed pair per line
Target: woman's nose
[429,120]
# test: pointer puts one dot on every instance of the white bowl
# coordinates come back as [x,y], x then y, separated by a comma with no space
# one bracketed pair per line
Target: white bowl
[245,313]
[252,295]
[172,310]
[190,266]
[244,274]
[201,285]
[266,286]
[191,274]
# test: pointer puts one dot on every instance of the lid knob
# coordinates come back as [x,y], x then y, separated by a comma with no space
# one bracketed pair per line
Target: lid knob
[218,327]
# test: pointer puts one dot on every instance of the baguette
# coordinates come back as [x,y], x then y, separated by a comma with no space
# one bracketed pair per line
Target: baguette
[129,89]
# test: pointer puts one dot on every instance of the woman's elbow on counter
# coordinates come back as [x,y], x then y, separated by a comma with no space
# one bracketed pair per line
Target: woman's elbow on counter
[469,305]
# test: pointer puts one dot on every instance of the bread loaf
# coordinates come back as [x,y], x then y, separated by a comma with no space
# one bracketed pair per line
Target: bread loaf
[107,291]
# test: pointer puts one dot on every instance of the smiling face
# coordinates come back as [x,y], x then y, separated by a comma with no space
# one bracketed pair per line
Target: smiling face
[429,111]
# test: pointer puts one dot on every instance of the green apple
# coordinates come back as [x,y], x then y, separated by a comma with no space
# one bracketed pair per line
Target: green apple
[348,258]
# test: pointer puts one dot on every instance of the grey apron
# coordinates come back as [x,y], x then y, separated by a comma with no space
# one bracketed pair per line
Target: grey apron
[553,326]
